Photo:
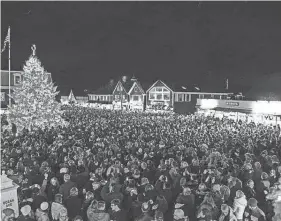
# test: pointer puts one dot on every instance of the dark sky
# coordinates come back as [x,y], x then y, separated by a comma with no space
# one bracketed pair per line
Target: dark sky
[86,43]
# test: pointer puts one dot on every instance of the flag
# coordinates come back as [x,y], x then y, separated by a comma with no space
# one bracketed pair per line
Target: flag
[7,40]
[226,84]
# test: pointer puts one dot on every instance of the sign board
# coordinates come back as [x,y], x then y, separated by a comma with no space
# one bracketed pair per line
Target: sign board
[9,198]
[233,104]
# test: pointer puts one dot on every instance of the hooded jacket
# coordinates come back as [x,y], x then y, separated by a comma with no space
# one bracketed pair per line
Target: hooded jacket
[239,206]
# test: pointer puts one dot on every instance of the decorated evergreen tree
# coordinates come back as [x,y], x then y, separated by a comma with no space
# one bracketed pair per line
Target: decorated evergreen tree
[35,103]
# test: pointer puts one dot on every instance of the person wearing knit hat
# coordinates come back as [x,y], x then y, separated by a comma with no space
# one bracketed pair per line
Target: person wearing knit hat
[179,215]
[253,212]
[25,210]
[26,214]
[42,212]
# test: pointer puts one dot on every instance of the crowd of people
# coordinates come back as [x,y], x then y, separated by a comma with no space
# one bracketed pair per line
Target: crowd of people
[119,166]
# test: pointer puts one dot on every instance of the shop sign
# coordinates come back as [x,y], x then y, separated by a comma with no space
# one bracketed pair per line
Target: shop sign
[232,104]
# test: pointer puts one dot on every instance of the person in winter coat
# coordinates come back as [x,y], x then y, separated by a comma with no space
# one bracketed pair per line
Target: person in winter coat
[239,205]
[53,189]
[257,172]
[110,192]
[234,185]
[73,203]
[116,213]
[99,213]
[262,189]
[227,213]
[204,215]
[161,204]
[39,194]
[185,201]
[66,187]
[87,202]
[200,194]
[41,213]
[249,190]
[253,212]
[26,214]
[145,216]
[92,208]
[57,207]
[209,204]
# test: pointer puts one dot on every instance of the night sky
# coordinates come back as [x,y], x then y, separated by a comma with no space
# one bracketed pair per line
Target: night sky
[85,44]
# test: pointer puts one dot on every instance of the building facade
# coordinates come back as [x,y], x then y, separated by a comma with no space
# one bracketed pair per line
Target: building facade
[123,93]
[178,98]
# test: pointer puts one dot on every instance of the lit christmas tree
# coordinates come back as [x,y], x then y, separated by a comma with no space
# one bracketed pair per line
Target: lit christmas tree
[35,104]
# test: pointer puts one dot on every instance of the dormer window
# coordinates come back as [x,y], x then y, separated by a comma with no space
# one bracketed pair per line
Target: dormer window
[17,79]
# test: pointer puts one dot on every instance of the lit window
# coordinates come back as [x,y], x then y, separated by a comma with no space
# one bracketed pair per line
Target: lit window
[17,79]
[159,97]
[180,97]
[166,97]
[159,89]
[187,97]
[152,96]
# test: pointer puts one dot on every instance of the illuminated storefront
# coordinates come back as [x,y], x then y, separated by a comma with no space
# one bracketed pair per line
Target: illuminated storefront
[267,112]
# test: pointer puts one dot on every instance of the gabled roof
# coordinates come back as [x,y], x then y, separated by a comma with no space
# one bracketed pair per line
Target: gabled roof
[136,84]
[127,85]
[156,82]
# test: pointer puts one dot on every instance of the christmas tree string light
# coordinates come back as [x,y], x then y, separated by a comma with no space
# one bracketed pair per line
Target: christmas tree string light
[35,99]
